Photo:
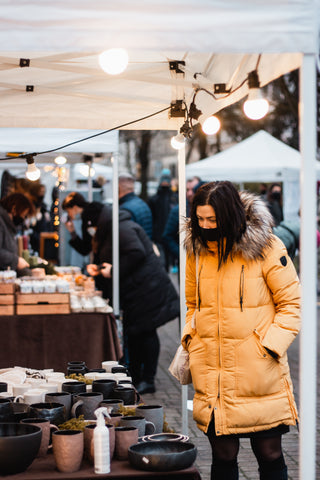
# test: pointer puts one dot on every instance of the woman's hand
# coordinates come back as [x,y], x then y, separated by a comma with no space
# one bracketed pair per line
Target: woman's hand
[22,263]
[93,269]
[106,270]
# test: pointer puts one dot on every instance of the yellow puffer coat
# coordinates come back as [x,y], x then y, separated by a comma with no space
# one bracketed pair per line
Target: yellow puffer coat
[248,306]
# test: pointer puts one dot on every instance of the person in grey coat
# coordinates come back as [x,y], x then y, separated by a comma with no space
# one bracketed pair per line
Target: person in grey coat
[14,209]
[147,296]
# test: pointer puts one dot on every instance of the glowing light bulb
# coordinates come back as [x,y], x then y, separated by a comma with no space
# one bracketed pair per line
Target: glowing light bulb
[85,171]
[32,173]
[255,107]
[178,141]
[114,61]
[210,125]
[60,160]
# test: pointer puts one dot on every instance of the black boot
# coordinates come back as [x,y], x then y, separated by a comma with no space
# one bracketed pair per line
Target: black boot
[227,470]
[275,474]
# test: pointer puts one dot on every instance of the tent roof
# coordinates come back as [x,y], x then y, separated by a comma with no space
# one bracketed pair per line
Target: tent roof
[259,158]
[64,87]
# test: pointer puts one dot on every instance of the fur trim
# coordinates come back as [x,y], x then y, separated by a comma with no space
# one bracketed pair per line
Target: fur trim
[258,234]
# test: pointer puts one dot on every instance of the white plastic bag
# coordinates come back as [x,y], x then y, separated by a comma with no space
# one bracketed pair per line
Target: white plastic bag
[179,366]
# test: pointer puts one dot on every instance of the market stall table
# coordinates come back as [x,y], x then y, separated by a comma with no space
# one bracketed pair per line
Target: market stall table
[44,469]
[50,341]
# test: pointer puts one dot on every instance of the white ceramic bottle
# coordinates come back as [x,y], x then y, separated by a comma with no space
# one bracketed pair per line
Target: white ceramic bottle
[101,447]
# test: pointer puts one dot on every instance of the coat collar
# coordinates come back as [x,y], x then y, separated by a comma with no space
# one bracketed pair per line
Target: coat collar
[258,234]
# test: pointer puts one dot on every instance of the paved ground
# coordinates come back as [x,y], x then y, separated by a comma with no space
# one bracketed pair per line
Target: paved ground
[169,395]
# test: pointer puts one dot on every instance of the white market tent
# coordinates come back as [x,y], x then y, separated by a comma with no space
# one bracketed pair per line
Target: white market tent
[49,78]
[259,158]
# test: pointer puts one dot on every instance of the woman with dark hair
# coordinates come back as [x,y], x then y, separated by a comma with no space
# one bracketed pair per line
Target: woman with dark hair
[14,209]
[243,300]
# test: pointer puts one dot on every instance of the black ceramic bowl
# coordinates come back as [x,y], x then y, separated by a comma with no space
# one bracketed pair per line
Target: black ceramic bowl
[19,445]
[162,456]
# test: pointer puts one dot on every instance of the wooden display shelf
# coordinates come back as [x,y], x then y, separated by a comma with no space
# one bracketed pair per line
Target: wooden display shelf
[7,299]
[41,298]
[7,310]
[7,288]
[42,309]
[42,303]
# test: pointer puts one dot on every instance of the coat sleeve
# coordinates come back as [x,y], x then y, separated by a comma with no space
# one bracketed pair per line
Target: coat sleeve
[191,298]
[283,282]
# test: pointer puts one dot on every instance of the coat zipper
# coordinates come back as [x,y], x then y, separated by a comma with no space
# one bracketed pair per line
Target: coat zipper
[199,298]
[241,289]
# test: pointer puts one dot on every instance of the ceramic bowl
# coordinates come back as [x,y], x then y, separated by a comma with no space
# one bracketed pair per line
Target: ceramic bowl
[170,437]
[162,456]
[19,445]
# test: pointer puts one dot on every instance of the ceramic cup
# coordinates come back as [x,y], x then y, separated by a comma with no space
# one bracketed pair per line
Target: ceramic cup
[144,427]
[108,364]
[125,437]
[74,387]
[129,395]
[34,395]
[114,419]
[104,386]
[85,404]
[152,413]
[113,404]
[20,388]
[3,386]
[54,412]
[89,444]
[46,428]
[19,411]
[5,410]
[65,398]
[49,387]
[67,446]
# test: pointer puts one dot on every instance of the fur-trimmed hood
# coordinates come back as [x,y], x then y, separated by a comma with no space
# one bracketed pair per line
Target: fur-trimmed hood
[258,234]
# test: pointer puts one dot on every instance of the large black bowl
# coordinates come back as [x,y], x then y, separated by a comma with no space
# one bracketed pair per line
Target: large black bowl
[19,445]
[162,456]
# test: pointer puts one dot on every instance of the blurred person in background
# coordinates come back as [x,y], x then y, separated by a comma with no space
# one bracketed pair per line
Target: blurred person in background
[147,296]
[274,202]
[77,207]
[128,200]
[14,209]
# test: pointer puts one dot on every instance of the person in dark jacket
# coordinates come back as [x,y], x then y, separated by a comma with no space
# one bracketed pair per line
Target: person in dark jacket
[289,233]
[14,209]
[76,205]
[274,202]
[128,200]
[161,204]
[147,296]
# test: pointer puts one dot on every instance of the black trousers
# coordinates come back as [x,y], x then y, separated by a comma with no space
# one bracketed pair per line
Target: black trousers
[143,349]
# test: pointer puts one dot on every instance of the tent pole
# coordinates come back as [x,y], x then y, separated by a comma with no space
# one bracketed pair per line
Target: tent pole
[182,268]
[308,268]
[115,236]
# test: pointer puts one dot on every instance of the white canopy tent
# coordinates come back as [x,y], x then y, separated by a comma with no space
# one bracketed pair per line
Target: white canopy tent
[259,158]
[49,78]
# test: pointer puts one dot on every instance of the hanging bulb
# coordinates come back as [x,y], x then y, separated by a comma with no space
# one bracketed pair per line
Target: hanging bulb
[210,125]
[86,171]
[178,141]
[60,160]
[32,172]
[114,60]
[255,107]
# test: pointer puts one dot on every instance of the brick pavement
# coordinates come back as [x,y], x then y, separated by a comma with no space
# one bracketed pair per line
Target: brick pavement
[168,394]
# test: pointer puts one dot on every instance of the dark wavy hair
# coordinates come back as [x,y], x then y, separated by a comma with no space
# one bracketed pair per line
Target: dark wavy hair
[18,201]
[230,216]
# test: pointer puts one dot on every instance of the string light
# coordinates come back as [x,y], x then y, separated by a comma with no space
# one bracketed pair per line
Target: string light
[114,61]
[178,141]
[32,172]
[60,160]
[255,107]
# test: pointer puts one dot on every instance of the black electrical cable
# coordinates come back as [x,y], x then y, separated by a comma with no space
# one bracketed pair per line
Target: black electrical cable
[24,155]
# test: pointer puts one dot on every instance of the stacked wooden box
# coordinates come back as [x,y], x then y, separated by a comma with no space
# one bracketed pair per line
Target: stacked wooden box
[42,303]
[7,298]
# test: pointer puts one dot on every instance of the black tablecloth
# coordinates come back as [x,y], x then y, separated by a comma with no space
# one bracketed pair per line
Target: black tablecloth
[50,341]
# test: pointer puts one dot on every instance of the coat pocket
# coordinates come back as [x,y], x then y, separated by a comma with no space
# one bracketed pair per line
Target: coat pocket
[257,372]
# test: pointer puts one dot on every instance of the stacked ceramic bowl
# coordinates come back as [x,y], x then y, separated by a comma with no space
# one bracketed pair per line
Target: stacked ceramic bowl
[159,437]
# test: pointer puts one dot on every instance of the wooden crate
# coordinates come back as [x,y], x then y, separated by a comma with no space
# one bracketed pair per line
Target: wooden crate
[6,309]
[7,288]
[42,303]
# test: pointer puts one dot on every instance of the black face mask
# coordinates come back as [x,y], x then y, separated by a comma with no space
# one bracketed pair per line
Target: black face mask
[276,196]
[17,220]
[210,234]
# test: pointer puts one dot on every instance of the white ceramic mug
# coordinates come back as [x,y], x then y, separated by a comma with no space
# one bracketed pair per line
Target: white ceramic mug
[108,364]
[20,388]
[32,396]
[49,387]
